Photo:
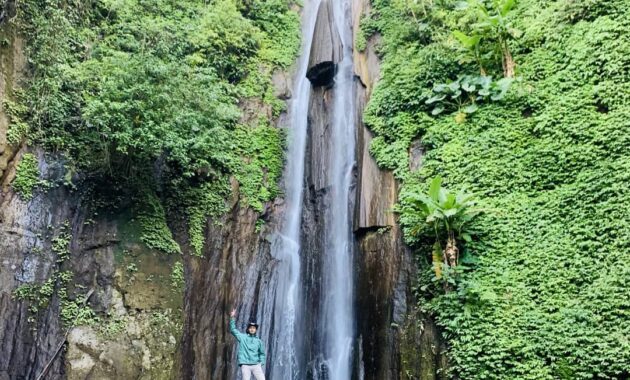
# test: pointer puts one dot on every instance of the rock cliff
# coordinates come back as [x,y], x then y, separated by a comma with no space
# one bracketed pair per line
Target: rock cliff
[144,326]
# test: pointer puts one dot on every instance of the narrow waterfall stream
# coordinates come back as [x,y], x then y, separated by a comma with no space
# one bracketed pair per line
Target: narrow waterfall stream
[338,269]
[285,346]
[323,276]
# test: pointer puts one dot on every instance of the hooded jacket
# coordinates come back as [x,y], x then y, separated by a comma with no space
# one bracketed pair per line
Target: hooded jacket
[250,348]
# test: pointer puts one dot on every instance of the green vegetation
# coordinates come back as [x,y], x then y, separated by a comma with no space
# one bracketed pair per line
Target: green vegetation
[442,215]
[16,111]
[136,92]
[155,232]
[177,276]
[465,93]
[541,287]
[26,176]
[71,311]
[491,29]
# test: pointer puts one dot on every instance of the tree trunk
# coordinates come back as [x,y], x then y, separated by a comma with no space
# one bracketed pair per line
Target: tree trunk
[437,259]
[508,61]
[451,251]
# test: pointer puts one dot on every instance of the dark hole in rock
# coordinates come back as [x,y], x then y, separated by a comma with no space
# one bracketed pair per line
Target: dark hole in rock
[322,74]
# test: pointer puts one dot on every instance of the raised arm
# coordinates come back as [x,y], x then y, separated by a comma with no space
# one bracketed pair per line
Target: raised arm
[233,330]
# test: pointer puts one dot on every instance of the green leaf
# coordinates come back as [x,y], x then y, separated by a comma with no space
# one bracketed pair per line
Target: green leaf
[435,98]
[450,201]
[466,41]
[450,212]
[506,7]
[434,189]
[468,87]
[470,108]
[437,110]
[461,5]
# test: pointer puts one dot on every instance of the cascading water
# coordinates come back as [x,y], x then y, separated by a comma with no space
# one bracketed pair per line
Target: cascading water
[338,272]
[285,346]
[328,355]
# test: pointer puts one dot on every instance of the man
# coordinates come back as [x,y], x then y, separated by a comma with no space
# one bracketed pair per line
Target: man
[251,352]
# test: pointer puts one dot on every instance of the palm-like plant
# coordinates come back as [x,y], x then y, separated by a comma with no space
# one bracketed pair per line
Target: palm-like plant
[493,23]
[448,215]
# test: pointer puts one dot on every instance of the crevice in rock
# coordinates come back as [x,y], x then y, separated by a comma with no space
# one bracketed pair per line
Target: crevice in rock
[363,231]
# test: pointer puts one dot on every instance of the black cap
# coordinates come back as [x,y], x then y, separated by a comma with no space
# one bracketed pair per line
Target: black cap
[252,323]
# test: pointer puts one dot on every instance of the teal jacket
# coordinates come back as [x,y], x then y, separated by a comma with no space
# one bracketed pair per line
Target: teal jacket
[250,347]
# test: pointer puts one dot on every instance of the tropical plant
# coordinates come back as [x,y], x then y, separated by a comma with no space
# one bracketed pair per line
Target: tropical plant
[464,93]
[493,24]
[447,216]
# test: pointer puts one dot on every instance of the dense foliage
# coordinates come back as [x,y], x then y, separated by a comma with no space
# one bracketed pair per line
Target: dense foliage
[26,176]
[445,216]
[542,290]
[150,92]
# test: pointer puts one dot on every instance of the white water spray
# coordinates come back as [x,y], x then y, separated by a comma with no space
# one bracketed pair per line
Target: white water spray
[338,270]
[287,247]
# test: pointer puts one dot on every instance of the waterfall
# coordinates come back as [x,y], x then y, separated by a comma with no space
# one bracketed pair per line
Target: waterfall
[338,271]
[324,352]
[285,344]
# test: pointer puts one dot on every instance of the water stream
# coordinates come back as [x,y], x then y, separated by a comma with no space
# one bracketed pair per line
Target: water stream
[286,247]
[338,303]
[330,360]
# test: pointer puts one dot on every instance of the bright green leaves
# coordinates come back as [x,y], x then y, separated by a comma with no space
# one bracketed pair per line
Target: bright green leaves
[446,215]
[466,92]
[17,113]
[155,232]
[491,30]
[26,177]
[539,291]
[469,42]
[146,95]
[258,163]
[280,41]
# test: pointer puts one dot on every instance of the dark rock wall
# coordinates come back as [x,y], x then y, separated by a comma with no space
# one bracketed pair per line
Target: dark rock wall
[26,233]
[235,269]
[391,345]
[316,204]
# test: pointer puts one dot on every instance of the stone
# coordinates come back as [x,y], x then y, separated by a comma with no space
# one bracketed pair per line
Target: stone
[84,339]
[326,49]
[416,152]
[376,190]
[117,306]
[80,368]
[281,84]
[366,63]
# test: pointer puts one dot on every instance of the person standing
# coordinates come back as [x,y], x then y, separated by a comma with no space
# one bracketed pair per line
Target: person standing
[251,351]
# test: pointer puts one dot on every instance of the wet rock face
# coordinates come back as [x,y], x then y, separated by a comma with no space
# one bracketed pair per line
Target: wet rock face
[235,272]
[422,350]
[326,50]
[12,68]
[391,346]
[384,266]
[120,345]
[26,231]
[315,211]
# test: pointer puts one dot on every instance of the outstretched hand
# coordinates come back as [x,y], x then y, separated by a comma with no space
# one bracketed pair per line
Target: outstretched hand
[233,313]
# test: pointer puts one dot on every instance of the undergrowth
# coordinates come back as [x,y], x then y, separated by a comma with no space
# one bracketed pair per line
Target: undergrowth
[541,292]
